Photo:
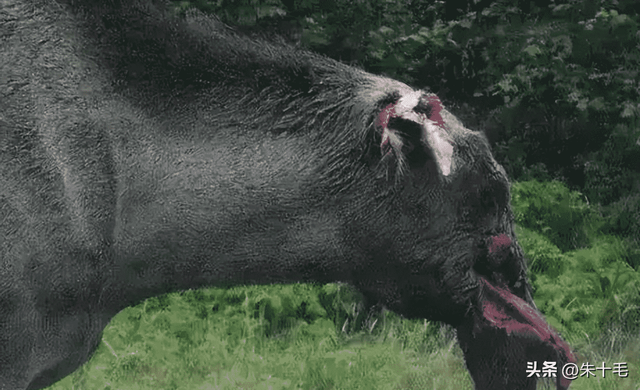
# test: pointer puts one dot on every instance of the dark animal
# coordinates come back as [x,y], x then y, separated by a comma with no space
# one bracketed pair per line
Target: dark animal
[142,154]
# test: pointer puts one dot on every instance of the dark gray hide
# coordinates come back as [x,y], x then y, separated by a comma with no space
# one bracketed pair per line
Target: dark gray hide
[142,154]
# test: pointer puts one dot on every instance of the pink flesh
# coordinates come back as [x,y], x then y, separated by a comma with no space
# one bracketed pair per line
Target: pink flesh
[435,110]
[386,114]
[383,120]
[522,320]
[390,112]
[499,243]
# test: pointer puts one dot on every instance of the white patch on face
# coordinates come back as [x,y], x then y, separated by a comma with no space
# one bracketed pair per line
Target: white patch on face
[432,135]
[440,144]
[407,103]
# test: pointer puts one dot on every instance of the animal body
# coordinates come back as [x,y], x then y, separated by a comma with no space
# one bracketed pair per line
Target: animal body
[141,154]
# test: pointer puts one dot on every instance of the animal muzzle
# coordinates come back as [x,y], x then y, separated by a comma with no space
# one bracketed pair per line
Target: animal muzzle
[502,336]
[503,263]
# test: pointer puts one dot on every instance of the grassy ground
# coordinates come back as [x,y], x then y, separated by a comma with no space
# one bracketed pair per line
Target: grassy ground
[294,337]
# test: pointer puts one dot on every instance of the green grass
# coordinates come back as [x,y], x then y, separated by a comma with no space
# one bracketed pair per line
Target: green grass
[281,337]
[232,339]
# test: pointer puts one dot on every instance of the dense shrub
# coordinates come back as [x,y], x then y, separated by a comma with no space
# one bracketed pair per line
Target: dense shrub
[553,210]
[624,217]
[542,255]
[584,288]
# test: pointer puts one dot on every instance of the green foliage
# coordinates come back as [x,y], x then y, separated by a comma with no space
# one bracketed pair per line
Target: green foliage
[554,211]
[581,291]
[544,257]
[567,77]
[623,219]
[595,291]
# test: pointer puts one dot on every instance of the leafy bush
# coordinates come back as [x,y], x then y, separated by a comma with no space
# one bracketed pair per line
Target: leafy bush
[598,289]
[553,211]
[622,218]
[580,291]
[544,257]
[567,77]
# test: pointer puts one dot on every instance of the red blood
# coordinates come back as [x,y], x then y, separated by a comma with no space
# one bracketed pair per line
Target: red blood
[390,112]
[386,114]
[436,107]
[499,243]
[504,310]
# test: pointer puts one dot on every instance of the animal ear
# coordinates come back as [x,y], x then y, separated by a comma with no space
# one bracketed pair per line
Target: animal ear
[413,131]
